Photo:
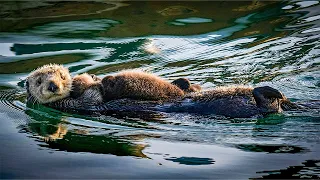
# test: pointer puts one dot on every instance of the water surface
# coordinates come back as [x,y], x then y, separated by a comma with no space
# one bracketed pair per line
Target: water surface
[211,43]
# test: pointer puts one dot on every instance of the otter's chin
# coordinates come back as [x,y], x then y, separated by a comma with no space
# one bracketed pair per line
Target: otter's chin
[46,97]
[54,97]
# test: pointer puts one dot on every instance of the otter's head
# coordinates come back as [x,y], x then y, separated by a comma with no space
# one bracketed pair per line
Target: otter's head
[185,85]
[49,83]
[82,82]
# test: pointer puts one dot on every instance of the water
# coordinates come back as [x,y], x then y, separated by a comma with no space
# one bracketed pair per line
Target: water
[211,43]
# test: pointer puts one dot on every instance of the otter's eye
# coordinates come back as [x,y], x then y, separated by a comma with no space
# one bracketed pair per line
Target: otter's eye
[39,81]
[62,76]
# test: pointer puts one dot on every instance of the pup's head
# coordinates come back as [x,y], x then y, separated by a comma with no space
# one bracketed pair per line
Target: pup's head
[49,83]
[82,82]
[185,85]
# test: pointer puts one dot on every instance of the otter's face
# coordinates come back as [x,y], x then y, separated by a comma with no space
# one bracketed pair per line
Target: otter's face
[49,83]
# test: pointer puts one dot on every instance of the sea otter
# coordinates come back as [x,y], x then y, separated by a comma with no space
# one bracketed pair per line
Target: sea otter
[234,101]
[49,83]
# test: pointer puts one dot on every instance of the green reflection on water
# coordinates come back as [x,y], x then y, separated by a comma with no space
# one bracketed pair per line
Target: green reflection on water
[120,66]
[138,18]
[249,42]
[29,65]
[59,134]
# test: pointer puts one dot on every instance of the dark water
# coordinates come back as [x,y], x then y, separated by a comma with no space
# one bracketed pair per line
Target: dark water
[211,43]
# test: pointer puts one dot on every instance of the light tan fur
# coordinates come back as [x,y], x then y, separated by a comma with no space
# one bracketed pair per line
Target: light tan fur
[185,85]
[139,85]
[82,82]
[194,88]
[222,92]
[38,83]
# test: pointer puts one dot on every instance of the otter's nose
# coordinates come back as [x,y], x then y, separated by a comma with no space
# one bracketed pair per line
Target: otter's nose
[52,87]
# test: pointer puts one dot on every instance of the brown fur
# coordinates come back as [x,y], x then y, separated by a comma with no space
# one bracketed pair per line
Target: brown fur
[223,92]
[139,85]
[51,85]
[194,88]
[266,98]
[186,86]
[127,84]
[38,83]
[82,82]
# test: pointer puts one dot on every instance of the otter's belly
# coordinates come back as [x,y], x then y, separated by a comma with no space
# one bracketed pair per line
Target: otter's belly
[231,107]
[240,107]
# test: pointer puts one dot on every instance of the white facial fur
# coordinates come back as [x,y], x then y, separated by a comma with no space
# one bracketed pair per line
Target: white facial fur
[39,80]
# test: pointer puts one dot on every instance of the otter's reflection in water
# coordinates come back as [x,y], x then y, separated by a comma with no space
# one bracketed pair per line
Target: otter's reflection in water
[57,133]
[271,148]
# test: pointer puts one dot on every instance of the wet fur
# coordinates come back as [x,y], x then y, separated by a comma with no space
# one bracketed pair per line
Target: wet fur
[37,83]
[185,85]
[233,101]
[138,91]
[82,82]
[139,85]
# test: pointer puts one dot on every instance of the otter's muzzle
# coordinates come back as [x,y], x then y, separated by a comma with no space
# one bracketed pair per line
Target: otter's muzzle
[52,87]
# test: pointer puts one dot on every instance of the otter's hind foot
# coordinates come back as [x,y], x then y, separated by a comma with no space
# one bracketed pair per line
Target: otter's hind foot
[267,92]
[267,98]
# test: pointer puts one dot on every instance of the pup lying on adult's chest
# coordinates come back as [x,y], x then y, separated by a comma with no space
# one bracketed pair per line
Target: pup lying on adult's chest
[53,82]
[138,91]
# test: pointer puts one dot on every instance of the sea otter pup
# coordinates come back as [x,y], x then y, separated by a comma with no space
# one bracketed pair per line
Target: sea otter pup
[133,84]
[82,82]
[141,86]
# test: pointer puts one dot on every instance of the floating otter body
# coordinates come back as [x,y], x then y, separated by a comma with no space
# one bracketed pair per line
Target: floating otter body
[228,101]
[235,102]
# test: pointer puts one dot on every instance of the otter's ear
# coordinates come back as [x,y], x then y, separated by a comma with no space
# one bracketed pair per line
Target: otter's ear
[108,81]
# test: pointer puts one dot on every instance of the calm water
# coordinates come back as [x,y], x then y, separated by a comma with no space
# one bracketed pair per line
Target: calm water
[211,43]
